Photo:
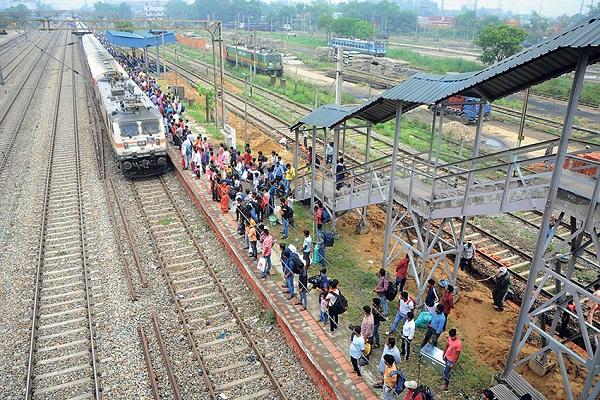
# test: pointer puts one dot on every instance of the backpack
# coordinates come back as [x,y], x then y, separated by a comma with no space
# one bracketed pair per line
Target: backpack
[296,263]
[391,292]
[182,108]
[341,305]
[325,216]
[424,391]
[399,388]
[328,239]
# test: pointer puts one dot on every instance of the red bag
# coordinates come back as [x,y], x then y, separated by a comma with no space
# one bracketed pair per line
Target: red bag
[182,162]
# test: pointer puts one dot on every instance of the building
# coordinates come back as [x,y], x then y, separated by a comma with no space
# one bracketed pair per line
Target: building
[435,21]
[154,11]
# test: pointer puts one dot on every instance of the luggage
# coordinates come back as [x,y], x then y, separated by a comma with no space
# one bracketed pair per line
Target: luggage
[423,320]
[328,239]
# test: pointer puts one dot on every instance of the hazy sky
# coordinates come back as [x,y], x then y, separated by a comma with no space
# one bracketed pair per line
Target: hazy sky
[547,7]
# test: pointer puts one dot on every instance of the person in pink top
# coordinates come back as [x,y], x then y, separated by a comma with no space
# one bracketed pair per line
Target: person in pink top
[451,355]
[267,241]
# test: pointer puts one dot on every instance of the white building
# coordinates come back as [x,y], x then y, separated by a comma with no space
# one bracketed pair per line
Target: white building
[154,11]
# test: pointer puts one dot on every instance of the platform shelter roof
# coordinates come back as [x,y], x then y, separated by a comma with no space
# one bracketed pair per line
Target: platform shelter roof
[324,116]
[541,62]
[139,39]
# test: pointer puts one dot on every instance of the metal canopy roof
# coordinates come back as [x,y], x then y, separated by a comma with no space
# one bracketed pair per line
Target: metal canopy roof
[324,116]
[539,63]
[139,39]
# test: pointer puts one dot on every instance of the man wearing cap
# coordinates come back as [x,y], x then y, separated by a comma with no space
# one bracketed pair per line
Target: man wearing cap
[411,389]
[467,257]
[501,286]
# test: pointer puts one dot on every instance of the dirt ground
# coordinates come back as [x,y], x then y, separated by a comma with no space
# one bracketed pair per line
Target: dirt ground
[486,332]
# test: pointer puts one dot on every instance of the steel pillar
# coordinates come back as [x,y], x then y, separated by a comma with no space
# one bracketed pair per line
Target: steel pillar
[313,171]
[543,266]
[390,205]
[296,145]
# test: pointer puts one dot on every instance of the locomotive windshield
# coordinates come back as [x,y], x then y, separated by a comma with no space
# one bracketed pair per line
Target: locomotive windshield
[129,129]
[275,59]
[150,128]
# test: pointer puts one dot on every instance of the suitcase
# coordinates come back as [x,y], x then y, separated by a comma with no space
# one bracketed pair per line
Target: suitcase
[433,356]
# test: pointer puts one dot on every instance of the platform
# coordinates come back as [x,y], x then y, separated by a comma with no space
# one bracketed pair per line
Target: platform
[328,368]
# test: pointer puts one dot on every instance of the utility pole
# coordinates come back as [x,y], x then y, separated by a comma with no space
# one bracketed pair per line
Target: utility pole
[338,76]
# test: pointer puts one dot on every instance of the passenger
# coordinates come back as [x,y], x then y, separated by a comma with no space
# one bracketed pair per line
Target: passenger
[436,327]
[357,345]
[402,273]
[224,197]
[408,333]
[389,378]
[389,349]
[448,302]
[451,355]
[405,305]
[501,286]
[431,297]
[378,318]
[382,286]
[267,241]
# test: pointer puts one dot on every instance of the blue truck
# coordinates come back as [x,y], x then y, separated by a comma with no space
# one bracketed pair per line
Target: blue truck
[466,109]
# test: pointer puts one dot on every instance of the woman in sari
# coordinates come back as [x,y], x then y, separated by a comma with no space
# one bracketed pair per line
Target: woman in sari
[224,197]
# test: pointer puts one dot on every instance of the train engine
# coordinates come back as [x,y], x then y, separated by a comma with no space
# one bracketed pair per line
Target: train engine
[133,123]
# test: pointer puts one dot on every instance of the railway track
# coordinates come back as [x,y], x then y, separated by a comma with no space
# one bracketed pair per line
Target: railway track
[11,122]
[221,343]
[62,354]
[21,54]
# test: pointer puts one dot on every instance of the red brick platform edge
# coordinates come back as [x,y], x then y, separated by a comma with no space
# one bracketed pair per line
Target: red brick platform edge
[314,372]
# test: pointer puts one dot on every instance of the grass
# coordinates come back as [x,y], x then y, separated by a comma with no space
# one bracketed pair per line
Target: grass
[440,65]
[356,283]
[561,87]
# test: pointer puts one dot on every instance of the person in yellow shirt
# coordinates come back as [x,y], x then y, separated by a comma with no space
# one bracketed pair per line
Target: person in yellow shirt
[288,177]
[389,377]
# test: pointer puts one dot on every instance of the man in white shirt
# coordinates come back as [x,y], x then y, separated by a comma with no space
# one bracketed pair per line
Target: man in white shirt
[408,333]
[357,346]
[329,153]
[306,247]
[467,256]
[405,305]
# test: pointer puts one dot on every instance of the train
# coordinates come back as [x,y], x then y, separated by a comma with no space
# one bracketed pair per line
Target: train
[374,48]
[133,123]
[267,61]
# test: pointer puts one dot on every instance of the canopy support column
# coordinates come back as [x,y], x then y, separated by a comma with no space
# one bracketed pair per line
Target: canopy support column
[390,206]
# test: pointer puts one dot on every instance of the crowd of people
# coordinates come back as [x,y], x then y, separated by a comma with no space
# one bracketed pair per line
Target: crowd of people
[258,189]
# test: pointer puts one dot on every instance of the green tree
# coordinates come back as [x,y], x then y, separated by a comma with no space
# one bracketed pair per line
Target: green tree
[499,42]
[124,11]
[325,22]
[352,27]
[177,9]
[124,26]
[19,12]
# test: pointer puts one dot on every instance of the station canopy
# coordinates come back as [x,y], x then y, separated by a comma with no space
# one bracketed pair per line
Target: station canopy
[140,39]
[546,60]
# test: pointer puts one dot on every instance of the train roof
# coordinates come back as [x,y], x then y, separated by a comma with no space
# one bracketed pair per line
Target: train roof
[102,63]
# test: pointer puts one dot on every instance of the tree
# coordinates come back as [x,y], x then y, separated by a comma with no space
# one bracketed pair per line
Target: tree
[124,11]
[19,12]
[499,42]
[325,22]
[352,27]
[124,26]
[177,9]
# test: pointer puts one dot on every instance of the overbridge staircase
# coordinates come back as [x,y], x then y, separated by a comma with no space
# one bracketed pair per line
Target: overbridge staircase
[507,181]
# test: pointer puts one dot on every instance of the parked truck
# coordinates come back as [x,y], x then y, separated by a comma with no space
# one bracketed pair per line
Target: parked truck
[466,108]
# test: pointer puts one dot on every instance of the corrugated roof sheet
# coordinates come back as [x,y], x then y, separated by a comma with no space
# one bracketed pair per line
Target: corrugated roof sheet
[324,116]
[138,39]
[531,66]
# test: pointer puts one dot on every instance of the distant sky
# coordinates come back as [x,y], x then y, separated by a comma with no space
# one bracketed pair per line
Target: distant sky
[551,8]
